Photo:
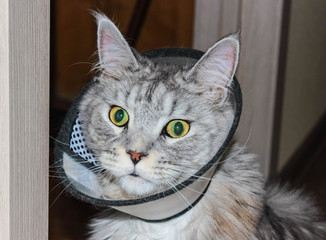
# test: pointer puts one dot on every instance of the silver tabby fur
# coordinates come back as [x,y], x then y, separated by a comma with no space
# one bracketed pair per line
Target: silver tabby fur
[237,205]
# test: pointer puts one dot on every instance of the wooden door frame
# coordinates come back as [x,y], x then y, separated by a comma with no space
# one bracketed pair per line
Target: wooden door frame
[259,68]
[24,119]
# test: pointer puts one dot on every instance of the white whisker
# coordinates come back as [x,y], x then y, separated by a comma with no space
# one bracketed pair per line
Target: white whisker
[59,141]
[64,189]
[182,197]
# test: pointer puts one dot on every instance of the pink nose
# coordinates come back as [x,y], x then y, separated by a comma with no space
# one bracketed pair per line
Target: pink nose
[135,156]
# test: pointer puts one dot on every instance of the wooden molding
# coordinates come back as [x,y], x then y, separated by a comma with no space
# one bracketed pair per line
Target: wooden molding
[261,28]
[215,19]
[4,122]
[207,23]
[24,119]
[261,25]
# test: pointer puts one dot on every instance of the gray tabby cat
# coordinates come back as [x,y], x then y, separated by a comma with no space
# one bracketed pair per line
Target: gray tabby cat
[151,126]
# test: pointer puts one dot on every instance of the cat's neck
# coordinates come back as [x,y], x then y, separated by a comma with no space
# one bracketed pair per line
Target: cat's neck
[230,208]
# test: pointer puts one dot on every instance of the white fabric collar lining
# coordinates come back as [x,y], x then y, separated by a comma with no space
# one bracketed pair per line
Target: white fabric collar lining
[85,181]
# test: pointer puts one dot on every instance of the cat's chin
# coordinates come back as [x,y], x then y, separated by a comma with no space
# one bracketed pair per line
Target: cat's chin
[136,186]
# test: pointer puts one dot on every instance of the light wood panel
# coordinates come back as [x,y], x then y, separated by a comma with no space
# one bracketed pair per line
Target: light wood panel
[24,120]
[207,24]
[4,122]
[215,19]
[261,23]
[230,22]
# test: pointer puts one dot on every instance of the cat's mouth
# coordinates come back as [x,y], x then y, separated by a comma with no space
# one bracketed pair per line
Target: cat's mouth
[134,175]
[135,184]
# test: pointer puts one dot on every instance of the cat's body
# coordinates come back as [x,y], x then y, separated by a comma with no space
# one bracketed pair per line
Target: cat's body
[236,206]
[152,125]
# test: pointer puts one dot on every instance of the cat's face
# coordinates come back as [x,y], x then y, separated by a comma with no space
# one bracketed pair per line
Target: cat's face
[149,125]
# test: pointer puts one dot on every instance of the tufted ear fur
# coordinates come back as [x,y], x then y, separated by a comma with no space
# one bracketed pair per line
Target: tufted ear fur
[213,73]
[113,50]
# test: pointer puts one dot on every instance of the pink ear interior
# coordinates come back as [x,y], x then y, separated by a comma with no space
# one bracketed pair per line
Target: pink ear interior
[114,51]
[228,57]
[104,40]
[214,71]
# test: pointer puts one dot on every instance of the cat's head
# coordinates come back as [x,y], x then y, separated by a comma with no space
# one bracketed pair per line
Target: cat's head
[152,125]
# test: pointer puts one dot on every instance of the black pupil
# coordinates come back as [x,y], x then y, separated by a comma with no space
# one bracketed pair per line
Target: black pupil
[178,128]
[119,115]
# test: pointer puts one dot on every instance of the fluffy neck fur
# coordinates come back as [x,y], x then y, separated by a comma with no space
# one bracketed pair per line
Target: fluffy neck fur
[231,208]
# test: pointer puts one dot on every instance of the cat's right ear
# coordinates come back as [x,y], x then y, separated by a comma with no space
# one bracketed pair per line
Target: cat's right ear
[114,53]
[215,70]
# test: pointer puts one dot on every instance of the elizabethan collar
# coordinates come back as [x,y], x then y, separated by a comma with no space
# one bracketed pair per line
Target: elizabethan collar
[75,163]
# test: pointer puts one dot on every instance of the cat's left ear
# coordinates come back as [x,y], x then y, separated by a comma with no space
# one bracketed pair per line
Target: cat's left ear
[115,55]
[214,71]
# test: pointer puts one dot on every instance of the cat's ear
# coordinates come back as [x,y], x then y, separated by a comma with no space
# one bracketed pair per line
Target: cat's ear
[215,69]
[113,50]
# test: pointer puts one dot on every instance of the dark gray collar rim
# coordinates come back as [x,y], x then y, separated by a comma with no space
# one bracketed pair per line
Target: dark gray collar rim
[169,52]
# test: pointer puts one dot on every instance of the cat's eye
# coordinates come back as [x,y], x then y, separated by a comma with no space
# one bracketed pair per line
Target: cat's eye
[177,128]
[118,116]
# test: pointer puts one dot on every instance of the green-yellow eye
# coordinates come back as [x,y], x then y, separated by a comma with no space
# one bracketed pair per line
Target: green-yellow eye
[118,116]
[177,128]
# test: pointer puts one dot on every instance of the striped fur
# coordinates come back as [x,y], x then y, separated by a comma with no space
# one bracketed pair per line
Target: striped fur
[238,204]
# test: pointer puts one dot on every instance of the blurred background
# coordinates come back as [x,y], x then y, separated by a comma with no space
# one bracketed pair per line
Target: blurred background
[282,73]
